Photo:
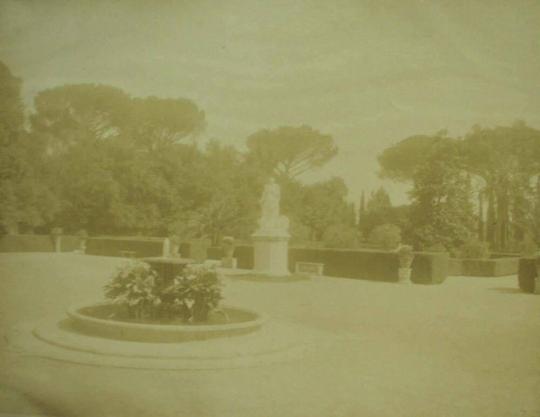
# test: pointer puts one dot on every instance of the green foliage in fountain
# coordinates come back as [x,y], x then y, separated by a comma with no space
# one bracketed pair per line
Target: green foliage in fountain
[138,292]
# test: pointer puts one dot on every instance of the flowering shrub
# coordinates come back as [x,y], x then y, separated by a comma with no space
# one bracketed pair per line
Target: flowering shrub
[190,296]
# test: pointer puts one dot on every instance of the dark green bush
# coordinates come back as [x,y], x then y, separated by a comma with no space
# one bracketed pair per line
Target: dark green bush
[527,273]
[429,268]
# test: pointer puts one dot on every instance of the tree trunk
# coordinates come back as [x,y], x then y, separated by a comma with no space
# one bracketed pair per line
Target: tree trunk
[502,217]
[481,225]
[491,221]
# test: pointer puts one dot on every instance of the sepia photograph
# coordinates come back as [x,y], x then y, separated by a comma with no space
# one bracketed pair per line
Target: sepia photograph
[270,208]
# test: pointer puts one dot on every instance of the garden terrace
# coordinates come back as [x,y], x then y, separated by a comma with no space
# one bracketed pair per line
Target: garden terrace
[388,349]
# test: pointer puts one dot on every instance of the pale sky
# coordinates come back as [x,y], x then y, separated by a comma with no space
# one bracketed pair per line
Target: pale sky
[370,73]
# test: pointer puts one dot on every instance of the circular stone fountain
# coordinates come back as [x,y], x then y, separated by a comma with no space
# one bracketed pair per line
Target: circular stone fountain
[94,320]
[87,336]
[275,342]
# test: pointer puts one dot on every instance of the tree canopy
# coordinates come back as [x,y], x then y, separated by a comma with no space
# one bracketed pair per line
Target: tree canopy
[502,162]
[24,192]
[93,157]
[400,161]
[290,151]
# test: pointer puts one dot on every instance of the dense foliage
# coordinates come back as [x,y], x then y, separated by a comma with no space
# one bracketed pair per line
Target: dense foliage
[92,157]
[386,236]
[134,287]
[486,184]
[474,249]
[138,290]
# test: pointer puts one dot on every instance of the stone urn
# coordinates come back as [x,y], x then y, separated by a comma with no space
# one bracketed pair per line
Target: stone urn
[56,234]
[83,237]
[406,257]
[227,244]
[174,246]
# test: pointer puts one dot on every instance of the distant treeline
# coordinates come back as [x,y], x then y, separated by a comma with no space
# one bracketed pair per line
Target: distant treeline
[91,157]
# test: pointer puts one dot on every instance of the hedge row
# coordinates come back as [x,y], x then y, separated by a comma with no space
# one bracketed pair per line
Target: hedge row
[109,246]
[527,273]
[70,243]
[490,267]
[195,249]
[455,268]
[358,264]
[36,243]
[427,268]
[496,267]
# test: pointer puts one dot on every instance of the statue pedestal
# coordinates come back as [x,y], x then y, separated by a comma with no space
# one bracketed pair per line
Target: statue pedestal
[271,254]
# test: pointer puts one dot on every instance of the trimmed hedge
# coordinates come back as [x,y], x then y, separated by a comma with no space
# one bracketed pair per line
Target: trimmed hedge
[194,249]
[527,273]
[494,267]
[70,243]
[110,246]
[26,243]
[357,264]
[244,255]
[36,243]
[375,265]
[455,268]
[498,267]
[429,267]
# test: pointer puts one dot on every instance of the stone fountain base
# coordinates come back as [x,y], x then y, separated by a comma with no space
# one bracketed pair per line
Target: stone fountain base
[60,340]
[89,320]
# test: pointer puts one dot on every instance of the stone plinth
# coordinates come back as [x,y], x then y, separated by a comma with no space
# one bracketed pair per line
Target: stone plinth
[271,254]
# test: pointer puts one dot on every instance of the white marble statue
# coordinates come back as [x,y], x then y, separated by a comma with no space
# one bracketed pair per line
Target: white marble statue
[271,222]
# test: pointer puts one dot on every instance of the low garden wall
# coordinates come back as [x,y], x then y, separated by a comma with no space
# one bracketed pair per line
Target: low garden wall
[527,272]
[427,268]
[494,267]
[36,243]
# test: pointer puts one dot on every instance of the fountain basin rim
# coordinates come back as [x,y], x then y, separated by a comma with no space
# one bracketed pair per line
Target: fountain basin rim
[162,332]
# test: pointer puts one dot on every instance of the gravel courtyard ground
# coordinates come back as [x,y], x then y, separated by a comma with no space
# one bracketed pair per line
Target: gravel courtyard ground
[468,347]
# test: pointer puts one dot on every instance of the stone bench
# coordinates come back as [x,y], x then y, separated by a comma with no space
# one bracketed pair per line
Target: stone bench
[312,268]
[128,253]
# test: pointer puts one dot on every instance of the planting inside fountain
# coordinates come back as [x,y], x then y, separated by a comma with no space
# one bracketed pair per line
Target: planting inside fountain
[147,307]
